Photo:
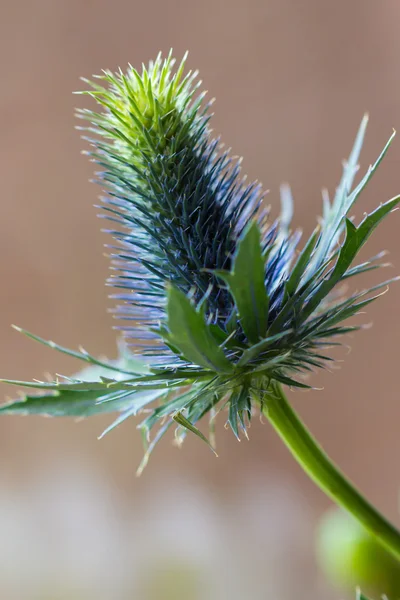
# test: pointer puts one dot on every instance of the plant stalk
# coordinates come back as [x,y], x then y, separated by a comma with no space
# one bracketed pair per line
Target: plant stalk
[324,472]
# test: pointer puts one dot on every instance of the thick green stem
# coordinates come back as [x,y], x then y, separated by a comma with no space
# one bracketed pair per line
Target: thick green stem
[324,472]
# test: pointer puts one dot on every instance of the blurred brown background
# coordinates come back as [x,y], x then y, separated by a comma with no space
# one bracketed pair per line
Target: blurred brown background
[292,80]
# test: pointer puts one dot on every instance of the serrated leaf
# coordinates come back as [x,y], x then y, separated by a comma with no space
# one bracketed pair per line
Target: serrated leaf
[85,403]
[63,403]
[246,283]
[155,380]
[189,332]
[355,239]
[344,200]
[126,364]
[71,385]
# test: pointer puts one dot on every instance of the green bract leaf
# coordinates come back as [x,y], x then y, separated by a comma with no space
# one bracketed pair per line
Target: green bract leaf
[254,351]
[183,422]
[67,403]
[239,406]
[189,332]
[355,239]
[246,283]
[334,216]
[126,364]
[63,403]
[139,400]
[301,265]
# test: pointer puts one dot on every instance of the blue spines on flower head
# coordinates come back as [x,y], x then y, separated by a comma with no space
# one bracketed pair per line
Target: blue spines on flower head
[179,198]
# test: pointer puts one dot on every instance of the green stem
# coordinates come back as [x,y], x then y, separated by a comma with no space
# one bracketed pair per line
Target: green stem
[324,472]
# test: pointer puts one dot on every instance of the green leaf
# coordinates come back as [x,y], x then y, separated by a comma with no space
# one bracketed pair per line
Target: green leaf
[184,422]
[103,387]
[239,403]
[149,447]
[85,403]
[246,283]
[63,403]
[347,308]
[189,332]
[289,381]
[355,239]
[301,264]
[334,217]
[157,379]
[255,350]
[126,364]
[120,419]
[140,399]
[168,408]
[369,265]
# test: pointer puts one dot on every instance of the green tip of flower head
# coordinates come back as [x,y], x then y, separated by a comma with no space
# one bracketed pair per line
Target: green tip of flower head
[143,111]
[215,296]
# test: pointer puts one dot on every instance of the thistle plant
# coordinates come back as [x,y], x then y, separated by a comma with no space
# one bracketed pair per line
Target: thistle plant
[220,306]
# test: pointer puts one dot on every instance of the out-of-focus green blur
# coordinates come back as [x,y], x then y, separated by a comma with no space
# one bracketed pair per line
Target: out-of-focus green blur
[292,80]
[350,556]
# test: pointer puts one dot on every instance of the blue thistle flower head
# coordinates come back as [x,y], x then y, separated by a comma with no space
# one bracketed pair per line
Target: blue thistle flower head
[215,296]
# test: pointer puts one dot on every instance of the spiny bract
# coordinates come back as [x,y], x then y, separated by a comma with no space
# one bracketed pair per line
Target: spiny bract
[219,301]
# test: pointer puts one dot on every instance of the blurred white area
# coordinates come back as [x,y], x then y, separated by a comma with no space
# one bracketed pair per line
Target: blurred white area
[70,536]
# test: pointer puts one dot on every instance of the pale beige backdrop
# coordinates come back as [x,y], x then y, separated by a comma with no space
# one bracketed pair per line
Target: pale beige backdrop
[292,80]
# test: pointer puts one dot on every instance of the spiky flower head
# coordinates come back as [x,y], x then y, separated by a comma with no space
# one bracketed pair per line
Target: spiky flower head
[215,295]
[179,199]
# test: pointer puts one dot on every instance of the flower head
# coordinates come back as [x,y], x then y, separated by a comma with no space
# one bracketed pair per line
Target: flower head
[215,295]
